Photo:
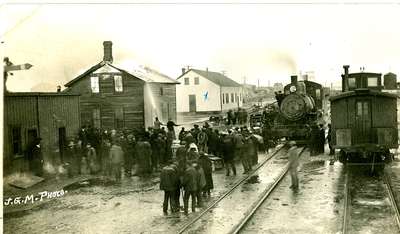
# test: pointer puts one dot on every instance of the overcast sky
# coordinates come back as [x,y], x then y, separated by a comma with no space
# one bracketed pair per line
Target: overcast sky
[266,42]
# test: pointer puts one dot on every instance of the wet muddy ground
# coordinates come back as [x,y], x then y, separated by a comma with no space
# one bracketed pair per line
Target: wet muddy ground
[100,206]
[315,207]
[135,206]
[370,209]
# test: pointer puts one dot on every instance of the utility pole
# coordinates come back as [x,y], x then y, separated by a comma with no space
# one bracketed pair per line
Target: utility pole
[9,66]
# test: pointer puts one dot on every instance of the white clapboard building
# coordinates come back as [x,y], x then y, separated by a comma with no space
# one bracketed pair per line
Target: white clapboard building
[207,91]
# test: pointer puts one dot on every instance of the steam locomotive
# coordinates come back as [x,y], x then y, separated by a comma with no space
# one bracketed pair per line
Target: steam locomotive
[295,110]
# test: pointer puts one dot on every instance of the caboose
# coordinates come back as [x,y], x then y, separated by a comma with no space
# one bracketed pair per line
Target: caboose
[364,119]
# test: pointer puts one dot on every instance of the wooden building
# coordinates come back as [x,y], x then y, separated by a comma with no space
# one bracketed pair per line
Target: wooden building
[116,98]
[54,117]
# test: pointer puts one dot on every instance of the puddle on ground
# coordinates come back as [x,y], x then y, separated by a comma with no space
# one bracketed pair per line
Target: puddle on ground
[253,179]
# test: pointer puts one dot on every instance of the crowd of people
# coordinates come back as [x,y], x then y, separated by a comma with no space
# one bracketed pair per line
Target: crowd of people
[185,168]
[191,169]
[105,152]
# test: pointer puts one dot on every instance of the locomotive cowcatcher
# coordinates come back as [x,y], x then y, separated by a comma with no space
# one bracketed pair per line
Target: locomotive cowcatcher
[364,119]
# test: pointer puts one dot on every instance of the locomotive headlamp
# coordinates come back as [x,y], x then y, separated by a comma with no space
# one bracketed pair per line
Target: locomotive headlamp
[292,88]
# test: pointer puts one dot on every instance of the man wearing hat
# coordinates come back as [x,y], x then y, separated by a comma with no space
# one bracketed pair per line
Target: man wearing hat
[293,164]
[35,158]
[70,158]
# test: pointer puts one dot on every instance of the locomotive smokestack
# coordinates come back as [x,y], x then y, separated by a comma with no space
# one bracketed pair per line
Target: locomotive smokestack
[293,79]
[345,78]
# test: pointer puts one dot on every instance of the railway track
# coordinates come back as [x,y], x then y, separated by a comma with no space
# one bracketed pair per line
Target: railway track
[369,204]
[217,218]
[393,201]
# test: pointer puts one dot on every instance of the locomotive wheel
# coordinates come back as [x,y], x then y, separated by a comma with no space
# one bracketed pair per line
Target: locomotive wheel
[342,157]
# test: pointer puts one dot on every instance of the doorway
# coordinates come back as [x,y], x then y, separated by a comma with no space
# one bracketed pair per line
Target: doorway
[192,103]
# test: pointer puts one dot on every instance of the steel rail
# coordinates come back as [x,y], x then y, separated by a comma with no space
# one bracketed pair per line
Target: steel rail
[393,200]
[265,195]
[186,226]
[346,203]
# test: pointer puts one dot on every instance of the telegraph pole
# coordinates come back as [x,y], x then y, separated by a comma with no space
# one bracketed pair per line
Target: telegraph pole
[9,66]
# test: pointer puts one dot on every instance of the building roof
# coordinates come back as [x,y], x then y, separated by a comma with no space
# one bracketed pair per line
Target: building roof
[360,92]
[215,77]
[29,94]
[143,73]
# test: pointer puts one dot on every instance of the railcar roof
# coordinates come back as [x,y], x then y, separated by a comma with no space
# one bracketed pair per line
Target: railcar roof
[362,92]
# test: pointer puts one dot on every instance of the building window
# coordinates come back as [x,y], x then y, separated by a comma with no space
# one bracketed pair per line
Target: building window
[119,117]
[227,98]
[16,140]
[161,91]
[94,84]
[232,98]
[96,118]
[196,80]
[240,97]
[118,84]
[186,81]
[223,98]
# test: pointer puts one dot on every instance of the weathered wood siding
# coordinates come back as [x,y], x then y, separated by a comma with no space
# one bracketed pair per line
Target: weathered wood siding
[43,113]
[57,112]
[131,100]
[160,101]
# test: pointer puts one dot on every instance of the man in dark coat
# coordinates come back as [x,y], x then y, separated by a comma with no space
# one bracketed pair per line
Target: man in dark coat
[206,164]
[180,166]
[70,158]
[129,149]
[321,142]
[35,158]
[314,143]
[228,153]
[239,151]
[169,182]
[143,153]
[190,185]
[182,134]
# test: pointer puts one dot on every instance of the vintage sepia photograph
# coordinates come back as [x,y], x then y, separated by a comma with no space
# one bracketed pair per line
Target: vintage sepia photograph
[200,117]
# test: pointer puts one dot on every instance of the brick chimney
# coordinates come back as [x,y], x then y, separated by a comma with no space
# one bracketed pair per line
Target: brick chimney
[107,51]
[183,70]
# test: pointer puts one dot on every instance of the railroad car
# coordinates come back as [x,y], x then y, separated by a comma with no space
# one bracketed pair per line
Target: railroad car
[364,119]
[295,110]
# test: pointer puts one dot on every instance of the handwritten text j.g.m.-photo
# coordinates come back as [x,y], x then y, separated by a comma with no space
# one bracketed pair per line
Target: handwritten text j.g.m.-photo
[32,198]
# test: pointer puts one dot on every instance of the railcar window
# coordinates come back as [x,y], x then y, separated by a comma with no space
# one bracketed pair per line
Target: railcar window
[372,81]
[318,93]
[352,82]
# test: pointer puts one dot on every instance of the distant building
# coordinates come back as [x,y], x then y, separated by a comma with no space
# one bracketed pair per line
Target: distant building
[278,87]
[116,98]
[307,75]
[54,117]
[207,91]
